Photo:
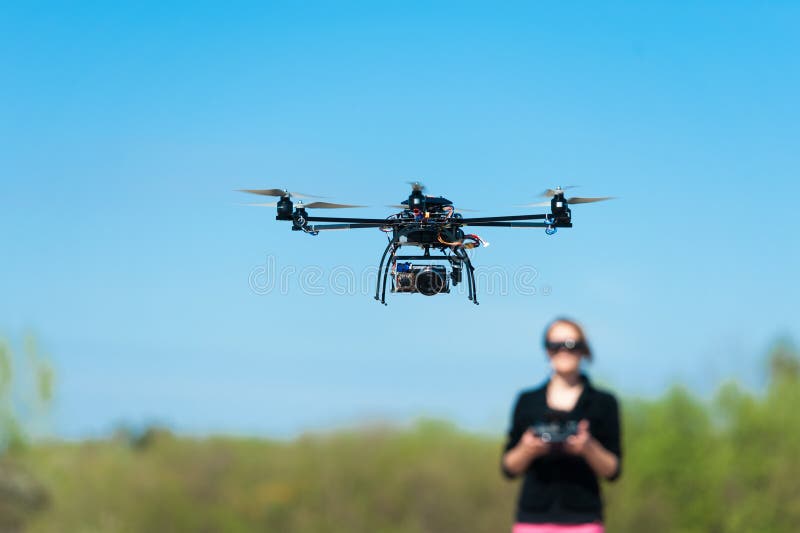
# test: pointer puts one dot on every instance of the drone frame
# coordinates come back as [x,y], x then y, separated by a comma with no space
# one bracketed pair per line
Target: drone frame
[416,220]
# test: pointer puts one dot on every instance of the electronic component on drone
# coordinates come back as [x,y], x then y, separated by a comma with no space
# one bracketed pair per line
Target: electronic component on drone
[426,222]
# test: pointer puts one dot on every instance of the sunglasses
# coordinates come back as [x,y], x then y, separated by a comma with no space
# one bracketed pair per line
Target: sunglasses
[569,345]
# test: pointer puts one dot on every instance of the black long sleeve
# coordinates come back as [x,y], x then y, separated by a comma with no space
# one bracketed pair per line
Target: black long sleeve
[560,487]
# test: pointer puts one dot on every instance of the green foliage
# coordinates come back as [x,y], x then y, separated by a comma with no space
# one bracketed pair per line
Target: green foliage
[728,465]
[762,492]
[26,391]
[10,431]
[431,478]
[21,496]
[25,396]
[670,458]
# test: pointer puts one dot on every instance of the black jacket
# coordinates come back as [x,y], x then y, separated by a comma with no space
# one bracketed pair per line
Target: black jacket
[559,487]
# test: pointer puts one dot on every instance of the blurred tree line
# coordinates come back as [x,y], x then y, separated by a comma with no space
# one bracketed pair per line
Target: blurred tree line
[723,465]
[728,466]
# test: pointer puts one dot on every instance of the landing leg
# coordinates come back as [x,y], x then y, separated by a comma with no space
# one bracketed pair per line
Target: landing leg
[386,271]
[380,266]
[471,278]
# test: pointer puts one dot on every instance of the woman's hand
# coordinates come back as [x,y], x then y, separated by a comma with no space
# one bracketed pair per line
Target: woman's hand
[532,445]
[603,462]
[579,443]
[518,459]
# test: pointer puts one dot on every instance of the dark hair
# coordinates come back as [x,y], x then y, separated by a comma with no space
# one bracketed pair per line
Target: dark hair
[587,353]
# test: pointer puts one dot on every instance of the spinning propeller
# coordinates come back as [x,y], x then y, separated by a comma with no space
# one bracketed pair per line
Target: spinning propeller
[282,193]
[285,195]
[549,193]
[312,205]
[559,191]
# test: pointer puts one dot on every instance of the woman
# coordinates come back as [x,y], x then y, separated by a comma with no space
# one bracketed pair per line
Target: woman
[561,492]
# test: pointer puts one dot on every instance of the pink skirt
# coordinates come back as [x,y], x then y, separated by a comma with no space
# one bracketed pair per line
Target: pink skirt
[519,527]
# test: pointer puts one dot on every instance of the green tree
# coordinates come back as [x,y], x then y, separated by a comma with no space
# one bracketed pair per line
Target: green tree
[762,439]
[26,391]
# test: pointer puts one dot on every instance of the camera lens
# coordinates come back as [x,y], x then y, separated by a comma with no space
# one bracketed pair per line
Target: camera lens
[430,282]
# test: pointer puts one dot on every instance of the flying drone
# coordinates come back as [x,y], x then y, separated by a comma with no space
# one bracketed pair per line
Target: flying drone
[427,222]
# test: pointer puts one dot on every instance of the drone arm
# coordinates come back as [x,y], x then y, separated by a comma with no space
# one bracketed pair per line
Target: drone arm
[510,224]
[510,218]
[375,221]
[346,226]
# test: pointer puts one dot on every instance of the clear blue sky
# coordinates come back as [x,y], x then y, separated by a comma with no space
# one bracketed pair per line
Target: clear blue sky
[126,127]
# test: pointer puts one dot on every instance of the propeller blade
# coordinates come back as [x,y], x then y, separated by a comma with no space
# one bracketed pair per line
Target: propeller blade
[279,193]
[467,210]
[577,200]
[397,206]
[549,193]
[416,185]
[312,205]
[535,204]
[327,205]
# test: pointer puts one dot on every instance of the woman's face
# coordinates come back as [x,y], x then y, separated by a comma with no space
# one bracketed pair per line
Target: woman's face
[564,361]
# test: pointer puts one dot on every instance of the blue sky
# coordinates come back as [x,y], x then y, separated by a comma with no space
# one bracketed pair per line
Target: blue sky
[125,128]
